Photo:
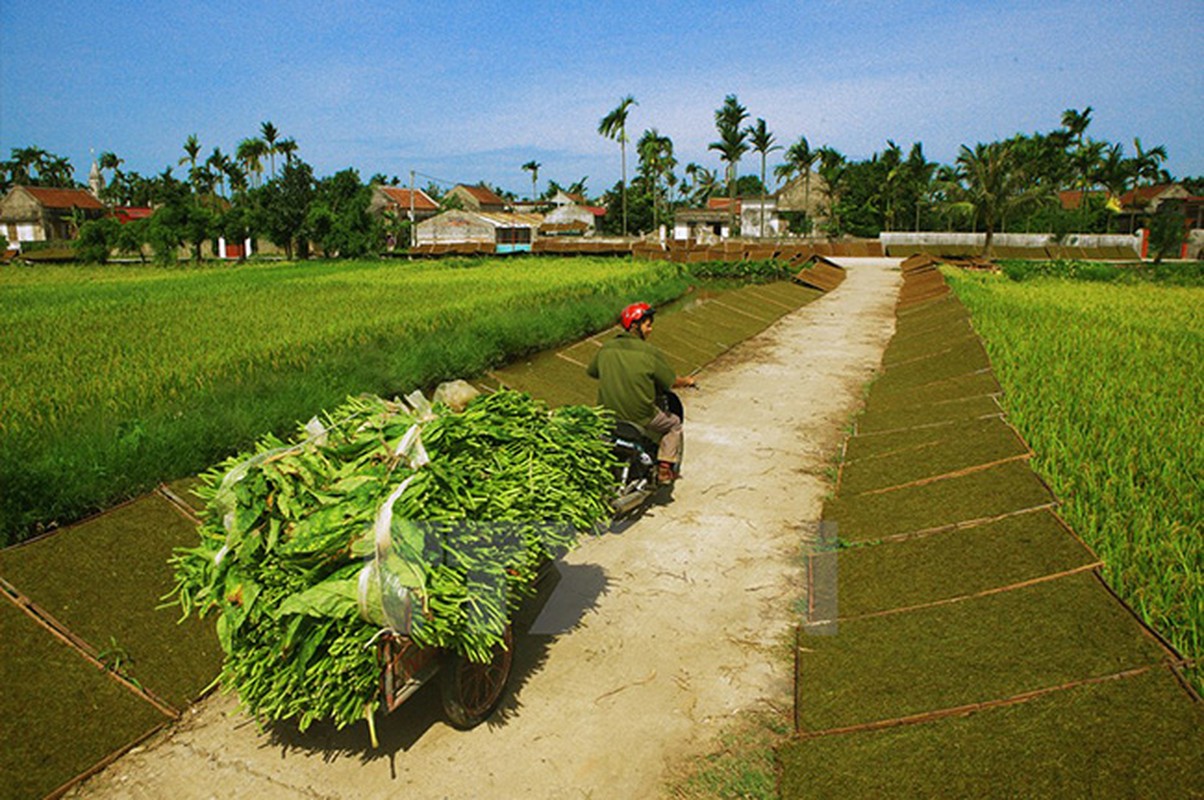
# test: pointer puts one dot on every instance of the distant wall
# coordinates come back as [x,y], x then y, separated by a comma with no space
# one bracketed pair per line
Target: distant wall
[1011,245]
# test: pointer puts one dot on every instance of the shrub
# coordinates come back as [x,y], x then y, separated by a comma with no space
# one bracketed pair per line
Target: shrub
[96,240]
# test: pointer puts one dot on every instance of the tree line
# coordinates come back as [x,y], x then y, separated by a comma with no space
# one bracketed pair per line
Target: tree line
[265,191]
[1007,185]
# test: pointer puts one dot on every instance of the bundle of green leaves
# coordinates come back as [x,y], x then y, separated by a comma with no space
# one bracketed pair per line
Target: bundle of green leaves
[417,519]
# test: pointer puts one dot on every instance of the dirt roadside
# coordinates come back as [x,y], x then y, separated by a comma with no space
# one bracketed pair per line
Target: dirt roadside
[649,640]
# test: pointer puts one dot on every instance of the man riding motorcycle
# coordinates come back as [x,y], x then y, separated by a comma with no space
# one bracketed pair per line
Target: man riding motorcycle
[631,373]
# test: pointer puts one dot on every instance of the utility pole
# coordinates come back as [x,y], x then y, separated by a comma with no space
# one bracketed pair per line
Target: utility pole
[413,229]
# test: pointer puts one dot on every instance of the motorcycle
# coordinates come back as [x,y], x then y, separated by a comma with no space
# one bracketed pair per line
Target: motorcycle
[637,474]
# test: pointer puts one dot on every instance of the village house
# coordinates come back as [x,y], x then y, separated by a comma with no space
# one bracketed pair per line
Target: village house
[1133,206]
[41,214]
[477,198]
[756,212]
[402,201]
[701,224]
[714,222]
[563,198]
[502,231]
[807,196]
[571,215]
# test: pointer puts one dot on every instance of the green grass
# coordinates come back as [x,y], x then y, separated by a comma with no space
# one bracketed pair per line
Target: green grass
[114,378]
[1176,273]
[743,765]
[1104,381]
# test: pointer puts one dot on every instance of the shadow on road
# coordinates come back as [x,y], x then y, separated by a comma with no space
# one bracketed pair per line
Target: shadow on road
[564,594]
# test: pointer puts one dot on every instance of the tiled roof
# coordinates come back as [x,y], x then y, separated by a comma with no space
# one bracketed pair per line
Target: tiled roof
[1143,194]
[484,196]
[1070,198]
[504,220]
[722,203]
[129,213]
[64,198]
[422,201]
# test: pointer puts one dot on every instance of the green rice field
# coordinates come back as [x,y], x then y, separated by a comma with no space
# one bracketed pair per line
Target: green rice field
[1104,381]
[114,378]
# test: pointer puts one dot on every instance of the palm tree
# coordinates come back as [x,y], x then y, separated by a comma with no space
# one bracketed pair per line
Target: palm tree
[250,153]
[656,159]
[109,160]
[703,183]
[219,165]
[892,161]
[192,149]
[833,168]
[1086,159]
[1076,122]
[114,187]
[1147,163]
[732,143]
[800,159]
[533,167]
[270,134]
[287,148]
[614,127]
[762,142]
[945,191]
[991,183]
[202,179]
[919,177]
[24,162]
[57,171]
[237,175]
[1113,174]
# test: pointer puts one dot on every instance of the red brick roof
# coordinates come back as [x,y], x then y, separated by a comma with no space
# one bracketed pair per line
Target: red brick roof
[422,200]
[1071,198]
[64,198]
[1143,194]
[722,203]
[126,214]
[484,196]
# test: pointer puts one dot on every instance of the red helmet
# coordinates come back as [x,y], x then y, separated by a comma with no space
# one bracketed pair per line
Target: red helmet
[635,313]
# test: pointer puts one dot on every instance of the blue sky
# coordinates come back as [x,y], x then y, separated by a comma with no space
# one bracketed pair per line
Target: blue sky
[471,91]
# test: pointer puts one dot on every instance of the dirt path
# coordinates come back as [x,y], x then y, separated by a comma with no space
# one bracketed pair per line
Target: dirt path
[649,641]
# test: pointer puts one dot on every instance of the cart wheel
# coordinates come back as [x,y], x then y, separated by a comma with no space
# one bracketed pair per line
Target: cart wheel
[472,691]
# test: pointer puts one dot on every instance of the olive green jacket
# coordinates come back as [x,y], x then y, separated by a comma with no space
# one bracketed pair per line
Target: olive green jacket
[631,372]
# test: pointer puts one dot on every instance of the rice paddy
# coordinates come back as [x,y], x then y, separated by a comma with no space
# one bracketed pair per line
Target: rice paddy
[1103,380]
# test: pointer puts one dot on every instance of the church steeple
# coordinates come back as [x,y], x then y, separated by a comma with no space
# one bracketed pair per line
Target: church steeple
[96,181]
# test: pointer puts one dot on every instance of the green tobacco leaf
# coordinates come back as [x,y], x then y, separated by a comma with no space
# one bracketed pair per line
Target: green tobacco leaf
[352,483]
[337,599]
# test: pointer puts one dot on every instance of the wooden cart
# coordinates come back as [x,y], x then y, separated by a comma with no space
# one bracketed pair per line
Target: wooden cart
[470,691]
